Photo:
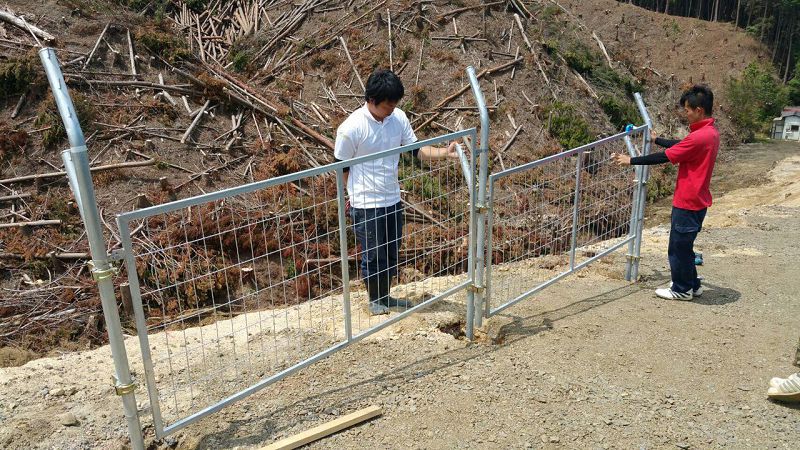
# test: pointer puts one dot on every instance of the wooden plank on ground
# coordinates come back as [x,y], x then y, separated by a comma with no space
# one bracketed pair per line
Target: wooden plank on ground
[325,429]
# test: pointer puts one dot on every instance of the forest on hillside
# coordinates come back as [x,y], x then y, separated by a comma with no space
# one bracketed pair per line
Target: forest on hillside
[776,23]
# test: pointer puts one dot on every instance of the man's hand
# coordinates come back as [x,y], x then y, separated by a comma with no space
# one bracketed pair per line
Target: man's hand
[621,159]
[653,135]
[451,151]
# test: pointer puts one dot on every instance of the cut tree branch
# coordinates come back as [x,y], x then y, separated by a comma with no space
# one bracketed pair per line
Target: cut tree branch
[19,22]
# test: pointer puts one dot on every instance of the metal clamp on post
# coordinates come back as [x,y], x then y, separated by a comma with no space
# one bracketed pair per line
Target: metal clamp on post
[479,208]
[99,275]
[122,389]
[477,289]
[630,257]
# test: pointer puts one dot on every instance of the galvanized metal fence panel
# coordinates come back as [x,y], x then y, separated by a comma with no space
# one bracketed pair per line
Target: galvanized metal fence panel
[236,289]
[556,215]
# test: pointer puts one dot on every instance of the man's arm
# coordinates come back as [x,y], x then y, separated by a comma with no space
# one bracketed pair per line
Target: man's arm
[648,160]
[429,153]
[666,143]
[662,142]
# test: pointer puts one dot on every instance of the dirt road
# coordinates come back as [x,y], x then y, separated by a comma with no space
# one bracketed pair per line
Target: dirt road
[592,362]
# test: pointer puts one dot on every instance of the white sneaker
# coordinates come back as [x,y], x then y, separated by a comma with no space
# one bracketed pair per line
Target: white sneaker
[695,292]
[787,390]
[775,382]
[669,294]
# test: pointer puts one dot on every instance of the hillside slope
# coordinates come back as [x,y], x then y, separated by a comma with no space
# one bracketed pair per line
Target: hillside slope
[289,66]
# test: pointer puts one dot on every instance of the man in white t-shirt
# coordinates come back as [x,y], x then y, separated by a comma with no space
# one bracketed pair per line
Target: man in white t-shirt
[373,187]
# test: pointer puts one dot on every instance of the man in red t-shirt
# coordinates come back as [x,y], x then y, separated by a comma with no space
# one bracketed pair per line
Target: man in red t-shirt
[695,156]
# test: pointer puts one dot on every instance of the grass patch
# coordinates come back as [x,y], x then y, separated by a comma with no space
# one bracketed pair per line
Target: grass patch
[18,74]
[620,112]
[566,126]
[163,43]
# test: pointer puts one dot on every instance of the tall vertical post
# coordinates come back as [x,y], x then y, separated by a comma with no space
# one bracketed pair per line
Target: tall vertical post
[487,292]
[575,209]
[340,193]
[632,227]
[644,175]
[77,163]
[476,295]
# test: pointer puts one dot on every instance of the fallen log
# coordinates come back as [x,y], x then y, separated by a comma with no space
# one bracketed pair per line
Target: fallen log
[33,223]
[21,23]
[8,198]
[41,176]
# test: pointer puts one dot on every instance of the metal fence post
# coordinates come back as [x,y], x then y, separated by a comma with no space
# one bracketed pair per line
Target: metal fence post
[487,293]
[77,163]
[633,226]
[574,240]
[634,208]
[480,204]
[645,174]
[340,193]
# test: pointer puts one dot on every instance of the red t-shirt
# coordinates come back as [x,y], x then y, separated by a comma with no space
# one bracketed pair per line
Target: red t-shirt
[695,156]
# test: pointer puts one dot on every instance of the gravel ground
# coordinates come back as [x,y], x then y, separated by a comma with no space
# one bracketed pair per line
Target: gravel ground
[592,362]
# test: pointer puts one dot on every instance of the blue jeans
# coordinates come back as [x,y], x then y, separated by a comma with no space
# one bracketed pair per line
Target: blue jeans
[380,233]
[685,225]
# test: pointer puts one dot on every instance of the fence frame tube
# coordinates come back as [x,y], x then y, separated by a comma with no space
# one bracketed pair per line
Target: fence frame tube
[257,185]
[345,263]
[476,297]
[489,312]
[575,208]
[80,179]
[124,219]
[558,277]
[642,187]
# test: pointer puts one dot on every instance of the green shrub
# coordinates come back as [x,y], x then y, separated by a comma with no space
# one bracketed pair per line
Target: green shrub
[17,74]
[163,43]
[567,126]
[240,61]
[591,64]
[759,97]
[620,112]
[197,5]
[794,86]
[580,58]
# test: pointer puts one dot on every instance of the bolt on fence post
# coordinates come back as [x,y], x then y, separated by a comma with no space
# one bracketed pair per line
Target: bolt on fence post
[577,201]
[480,201]
[340,192]
[645,173]
[80,178]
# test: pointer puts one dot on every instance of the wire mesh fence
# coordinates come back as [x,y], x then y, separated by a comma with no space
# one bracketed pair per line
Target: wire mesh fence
[235,289]
[554,216]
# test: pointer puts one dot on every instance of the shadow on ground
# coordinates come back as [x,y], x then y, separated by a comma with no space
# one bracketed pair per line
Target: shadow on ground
[264,427]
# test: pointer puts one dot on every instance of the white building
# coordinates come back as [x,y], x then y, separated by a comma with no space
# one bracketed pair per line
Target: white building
[787,126]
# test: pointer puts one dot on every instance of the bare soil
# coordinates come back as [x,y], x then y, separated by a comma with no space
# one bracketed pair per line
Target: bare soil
[590,362]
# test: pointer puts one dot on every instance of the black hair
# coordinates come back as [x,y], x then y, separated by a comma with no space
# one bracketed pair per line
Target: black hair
[697,96]
[383,85]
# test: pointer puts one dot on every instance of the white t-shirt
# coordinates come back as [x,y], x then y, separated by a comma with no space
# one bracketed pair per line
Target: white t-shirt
[373,184]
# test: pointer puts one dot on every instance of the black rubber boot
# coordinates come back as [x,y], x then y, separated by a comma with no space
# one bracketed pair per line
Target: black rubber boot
[387,300]
[374,290]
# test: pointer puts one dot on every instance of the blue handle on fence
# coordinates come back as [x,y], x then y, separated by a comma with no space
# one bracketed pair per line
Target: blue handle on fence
[628,127]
